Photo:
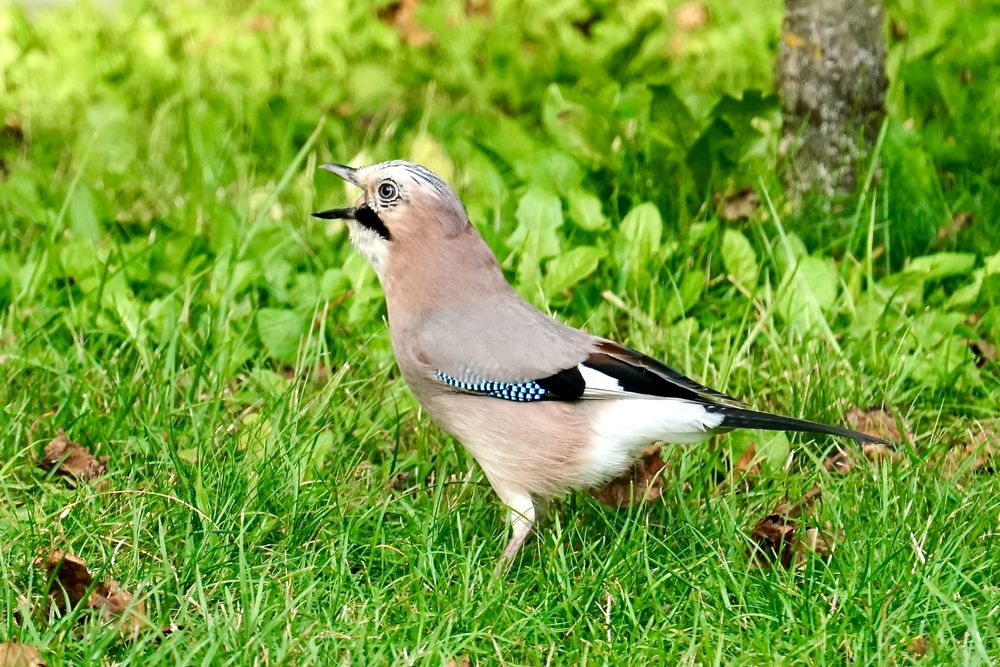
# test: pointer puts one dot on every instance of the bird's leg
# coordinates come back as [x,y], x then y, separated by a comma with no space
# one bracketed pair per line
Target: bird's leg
[522,516]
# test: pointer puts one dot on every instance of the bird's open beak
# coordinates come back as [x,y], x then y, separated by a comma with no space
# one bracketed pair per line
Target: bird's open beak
[348,175]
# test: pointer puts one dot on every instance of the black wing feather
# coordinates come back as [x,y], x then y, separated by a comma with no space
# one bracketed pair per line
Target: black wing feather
[641,374]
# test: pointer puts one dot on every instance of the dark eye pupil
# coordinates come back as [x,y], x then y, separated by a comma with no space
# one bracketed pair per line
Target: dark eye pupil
[387,191]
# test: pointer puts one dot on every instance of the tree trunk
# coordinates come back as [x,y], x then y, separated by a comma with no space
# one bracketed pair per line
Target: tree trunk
[831,81]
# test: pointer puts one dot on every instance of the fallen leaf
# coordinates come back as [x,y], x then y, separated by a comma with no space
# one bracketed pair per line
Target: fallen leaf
[72,460]
[402,16]
[119,607]
[70,581]
[918,646]
[958,222]
[744,470]
[838,461]
[875,421]
[984,351]
[15,654]
[458,662]
[691,16]
[739,205]
[980,454]
[778,539]
[478,7]
[747,464]
[796,509]
[643,483]
[398,481]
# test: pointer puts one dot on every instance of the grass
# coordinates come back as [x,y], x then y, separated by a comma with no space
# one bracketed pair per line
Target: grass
[273,489]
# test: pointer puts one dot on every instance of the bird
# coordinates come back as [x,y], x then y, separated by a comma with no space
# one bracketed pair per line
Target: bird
[542,407]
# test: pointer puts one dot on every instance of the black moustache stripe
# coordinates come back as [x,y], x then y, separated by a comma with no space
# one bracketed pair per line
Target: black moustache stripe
[369,218]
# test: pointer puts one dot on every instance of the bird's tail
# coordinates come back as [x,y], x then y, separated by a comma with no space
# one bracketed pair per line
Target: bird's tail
[734,417]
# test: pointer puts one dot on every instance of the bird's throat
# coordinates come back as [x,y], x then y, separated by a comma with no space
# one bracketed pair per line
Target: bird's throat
[369,218]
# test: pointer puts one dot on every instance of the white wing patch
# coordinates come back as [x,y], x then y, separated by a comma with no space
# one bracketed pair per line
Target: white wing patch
[622,428]
[598,384]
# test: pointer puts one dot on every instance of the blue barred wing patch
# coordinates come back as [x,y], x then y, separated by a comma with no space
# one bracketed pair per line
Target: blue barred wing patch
[520,391]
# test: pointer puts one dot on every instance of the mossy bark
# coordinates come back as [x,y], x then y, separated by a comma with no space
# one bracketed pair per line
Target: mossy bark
[831,81]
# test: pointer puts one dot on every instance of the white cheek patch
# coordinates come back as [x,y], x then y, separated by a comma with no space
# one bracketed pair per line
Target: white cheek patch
[372,247]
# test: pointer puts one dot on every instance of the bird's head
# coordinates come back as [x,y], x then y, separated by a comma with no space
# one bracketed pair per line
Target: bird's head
[402,204]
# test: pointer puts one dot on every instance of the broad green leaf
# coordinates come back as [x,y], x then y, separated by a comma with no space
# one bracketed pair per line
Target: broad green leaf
[773,447]
[739,258]
[639,234]
[569,268]
[968,292]
[539,215]
[78,258]
[688,291]
[993,264]
[83,218]
[806,291]
[574,125]
[280,331]
[585,210]
[942,264]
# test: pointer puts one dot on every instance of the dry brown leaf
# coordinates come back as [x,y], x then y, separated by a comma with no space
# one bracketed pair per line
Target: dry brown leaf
[875,421]
[643,483]
[402,15]
[877,453]
[773,540]
[478,7]
[980,454]
[778,539]
[838,461]
[691,16]
[958,222]
[15,654]
[458,662]
[795,510]
[918,646]
[747,464]
[740,205]
[119,607]
[72,460]
[398,481]
[820,542]
[984,351]
[743,472]
[70,580]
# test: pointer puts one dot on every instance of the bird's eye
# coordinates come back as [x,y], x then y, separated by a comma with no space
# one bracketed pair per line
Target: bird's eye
[387,191]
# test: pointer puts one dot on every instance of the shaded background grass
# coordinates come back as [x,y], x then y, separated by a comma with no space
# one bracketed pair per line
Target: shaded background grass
[272,487]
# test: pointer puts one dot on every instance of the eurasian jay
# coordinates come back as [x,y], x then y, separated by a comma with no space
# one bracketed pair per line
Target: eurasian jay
[541,406]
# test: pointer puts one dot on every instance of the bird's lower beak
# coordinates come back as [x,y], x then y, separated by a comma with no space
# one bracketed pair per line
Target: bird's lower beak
[344,172]
[348,213]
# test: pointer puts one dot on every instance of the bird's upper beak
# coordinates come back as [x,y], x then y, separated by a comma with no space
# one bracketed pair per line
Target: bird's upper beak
[348,175]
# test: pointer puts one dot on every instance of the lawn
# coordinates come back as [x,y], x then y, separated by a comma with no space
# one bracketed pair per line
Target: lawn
[271,493]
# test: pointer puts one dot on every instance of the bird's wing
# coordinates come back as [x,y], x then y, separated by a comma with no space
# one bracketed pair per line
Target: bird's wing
[503,346]
[506,348]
